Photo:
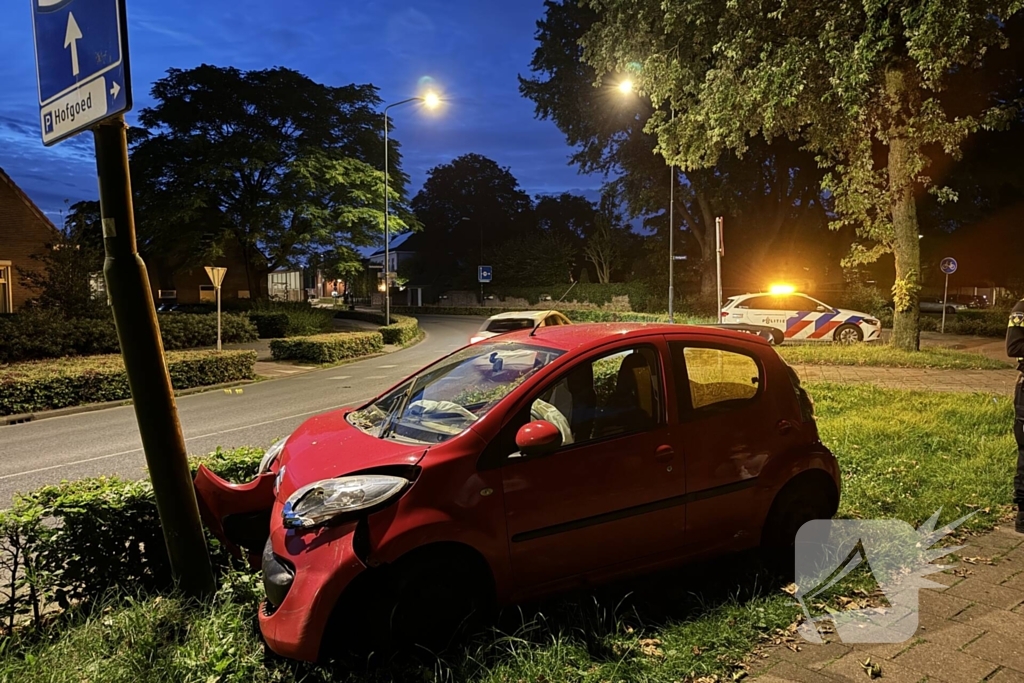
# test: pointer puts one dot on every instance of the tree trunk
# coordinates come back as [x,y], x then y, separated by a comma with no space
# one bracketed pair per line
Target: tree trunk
[906,333]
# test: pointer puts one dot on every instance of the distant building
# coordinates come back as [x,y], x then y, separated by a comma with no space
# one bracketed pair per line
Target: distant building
[24,232]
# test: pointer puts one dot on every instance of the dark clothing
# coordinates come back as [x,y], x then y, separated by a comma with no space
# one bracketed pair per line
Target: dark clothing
[1015,349]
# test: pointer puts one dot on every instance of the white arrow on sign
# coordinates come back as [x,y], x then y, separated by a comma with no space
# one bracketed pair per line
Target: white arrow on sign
[72,34]
[114,89]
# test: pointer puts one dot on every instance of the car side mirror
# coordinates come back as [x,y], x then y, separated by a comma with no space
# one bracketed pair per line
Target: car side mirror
[538,438]
[821,309]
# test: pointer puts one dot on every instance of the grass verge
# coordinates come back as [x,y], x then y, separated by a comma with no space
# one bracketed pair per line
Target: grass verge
[885,356]
[904,454]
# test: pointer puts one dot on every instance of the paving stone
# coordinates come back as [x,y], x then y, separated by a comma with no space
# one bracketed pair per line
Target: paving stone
[849,667]
[942,604]
[976,590]
[790,672]
[814,656]
[999,648]
[1005,675]
[969,615]
[1000,621]
[1005,540]
[994,573]
[939,661]
[951,634]
[884,650]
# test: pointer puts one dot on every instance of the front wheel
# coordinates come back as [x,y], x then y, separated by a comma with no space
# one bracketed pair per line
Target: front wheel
[848,334]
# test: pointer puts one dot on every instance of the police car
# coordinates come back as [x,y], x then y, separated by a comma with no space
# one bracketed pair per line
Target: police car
[799,317]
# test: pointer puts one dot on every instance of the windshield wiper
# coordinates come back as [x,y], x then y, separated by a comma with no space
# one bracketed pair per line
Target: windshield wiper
[399,409]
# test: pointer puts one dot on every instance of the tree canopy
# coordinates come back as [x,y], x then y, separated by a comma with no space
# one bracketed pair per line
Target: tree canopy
[861,85]
[270,163]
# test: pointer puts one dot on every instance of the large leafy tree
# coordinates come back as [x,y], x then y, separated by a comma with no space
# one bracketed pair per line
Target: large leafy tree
[861,84]
[770,192]
[267,163]
[468,206]
[598,238]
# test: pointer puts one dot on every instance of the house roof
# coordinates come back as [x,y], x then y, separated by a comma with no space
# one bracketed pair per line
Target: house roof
[25,198]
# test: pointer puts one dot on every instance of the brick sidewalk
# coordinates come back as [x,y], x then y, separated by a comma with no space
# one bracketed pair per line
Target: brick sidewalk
[973,630]
[988,381]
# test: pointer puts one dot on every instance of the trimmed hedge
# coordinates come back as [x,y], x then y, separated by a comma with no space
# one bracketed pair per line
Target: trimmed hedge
[327,348]
[46,385]
[40,334]
[402,330]
[275,319]
[982,323]
[73,541]
[575,315]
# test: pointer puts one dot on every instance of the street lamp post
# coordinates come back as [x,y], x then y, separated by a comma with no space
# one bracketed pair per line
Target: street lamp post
[430,100]
[625,87]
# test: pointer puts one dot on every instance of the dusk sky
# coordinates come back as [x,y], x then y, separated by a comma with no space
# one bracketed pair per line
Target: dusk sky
[472,50]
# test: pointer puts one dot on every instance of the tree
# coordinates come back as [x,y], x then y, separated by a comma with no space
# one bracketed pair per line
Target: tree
[861,84]
[63,280]
[268,162]
[468,206]
[771,191]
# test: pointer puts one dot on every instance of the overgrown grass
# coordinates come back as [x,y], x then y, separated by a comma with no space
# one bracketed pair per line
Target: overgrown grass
[903,454]
[884,355]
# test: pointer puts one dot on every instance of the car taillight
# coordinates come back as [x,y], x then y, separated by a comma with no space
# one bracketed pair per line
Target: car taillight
[806,405]
[725,313]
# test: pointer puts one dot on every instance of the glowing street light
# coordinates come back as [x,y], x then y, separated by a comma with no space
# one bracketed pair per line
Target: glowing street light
[431,100]
[626,86]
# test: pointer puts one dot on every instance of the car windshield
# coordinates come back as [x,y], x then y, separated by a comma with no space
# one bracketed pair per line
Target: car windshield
[509,324]
[445,399]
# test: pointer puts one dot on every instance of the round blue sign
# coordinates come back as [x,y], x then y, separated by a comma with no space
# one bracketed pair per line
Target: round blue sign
[948,265]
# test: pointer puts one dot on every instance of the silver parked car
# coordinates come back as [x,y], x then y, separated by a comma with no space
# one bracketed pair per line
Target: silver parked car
[935,306]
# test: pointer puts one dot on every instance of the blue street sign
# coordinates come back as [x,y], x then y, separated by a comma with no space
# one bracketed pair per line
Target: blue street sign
[948,265]
[483,273]
[81,64]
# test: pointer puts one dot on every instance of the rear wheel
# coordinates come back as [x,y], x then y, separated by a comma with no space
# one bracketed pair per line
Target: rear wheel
[848,334]
[805,498]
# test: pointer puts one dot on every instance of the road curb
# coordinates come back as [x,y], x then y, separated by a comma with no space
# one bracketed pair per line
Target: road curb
[22,418]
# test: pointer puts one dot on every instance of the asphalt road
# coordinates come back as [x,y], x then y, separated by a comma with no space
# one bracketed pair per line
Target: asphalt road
[106,442]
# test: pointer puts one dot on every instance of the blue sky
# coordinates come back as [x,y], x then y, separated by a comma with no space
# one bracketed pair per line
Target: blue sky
[472,49]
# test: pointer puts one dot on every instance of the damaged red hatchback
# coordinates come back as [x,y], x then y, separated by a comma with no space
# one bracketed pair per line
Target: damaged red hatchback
[521,467]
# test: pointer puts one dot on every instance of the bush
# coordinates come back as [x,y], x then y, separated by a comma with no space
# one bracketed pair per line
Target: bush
[402,330]
[45,385]
[984,323]
[327,348]
[577,315]
[38,334]
[276,319]
[73,541]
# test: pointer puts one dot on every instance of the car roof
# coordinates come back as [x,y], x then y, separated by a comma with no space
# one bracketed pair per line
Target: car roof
[745,296]
[570,337]
[532,315]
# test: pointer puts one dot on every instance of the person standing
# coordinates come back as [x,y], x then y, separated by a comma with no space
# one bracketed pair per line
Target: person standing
[1015,349]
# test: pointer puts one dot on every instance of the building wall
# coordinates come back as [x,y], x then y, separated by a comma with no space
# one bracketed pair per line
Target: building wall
[24,231]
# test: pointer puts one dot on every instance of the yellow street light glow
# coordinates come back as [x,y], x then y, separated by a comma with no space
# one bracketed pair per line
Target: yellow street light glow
[431,100]
[626,86]
[782,289]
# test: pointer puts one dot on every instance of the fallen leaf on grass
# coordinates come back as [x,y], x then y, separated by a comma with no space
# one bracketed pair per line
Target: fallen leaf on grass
[871,670]
[649,646]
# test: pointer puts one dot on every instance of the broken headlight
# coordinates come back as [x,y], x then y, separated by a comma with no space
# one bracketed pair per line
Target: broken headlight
[322,501]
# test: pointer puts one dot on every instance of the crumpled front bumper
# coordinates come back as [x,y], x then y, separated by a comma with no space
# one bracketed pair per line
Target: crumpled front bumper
[305,574]
[237,514]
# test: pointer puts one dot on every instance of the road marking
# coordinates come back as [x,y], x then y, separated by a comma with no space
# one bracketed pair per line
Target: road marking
[377,377]
[341,377]
[383,367]
[191,438]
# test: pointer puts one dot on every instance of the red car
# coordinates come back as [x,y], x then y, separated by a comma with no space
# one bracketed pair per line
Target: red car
[519,468]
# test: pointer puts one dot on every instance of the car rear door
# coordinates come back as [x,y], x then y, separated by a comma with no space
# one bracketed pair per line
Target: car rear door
[613,495]
[728,429]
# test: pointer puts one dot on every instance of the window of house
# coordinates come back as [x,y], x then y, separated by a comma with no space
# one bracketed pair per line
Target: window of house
[613,395]
[716,378]
[6,299]
[207,294]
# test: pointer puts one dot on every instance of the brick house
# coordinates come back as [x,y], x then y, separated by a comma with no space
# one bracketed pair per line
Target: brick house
[24,232]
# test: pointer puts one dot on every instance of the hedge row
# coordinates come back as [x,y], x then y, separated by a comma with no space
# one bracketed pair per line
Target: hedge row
[275,319]
[327,348]
[402,330]
[45,385]
[983,323]
[71,542]
[35,335]
[576,315]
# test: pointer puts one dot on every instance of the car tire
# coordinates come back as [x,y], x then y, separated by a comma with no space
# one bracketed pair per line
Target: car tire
[432,602]
[950,310]
[806,497]
[848,334]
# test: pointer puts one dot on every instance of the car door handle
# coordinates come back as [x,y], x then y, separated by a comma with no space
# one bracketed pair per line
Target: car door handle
[664,453]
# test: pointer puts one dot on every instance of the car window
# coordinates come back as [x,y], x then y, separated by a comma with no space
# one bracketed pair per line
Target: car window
[716,378]
[509,324]
[757,302]
[552,320]
[803,303]
[616,394]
